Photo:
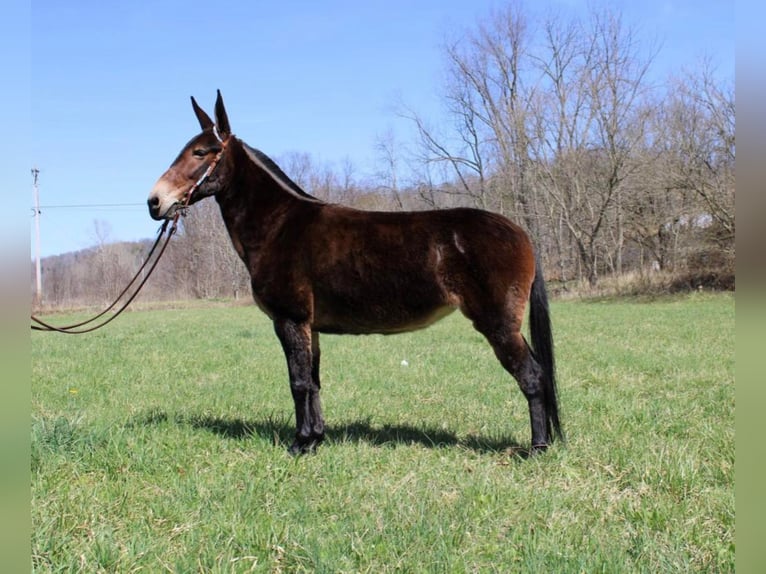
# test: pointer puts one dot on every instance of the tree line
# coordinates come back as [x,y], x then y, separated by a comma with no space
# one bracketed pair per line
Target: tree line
[554,122]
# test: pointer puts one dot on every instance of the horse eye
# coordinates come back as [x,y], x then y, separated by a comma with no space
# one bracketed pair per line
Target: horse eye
[200,152]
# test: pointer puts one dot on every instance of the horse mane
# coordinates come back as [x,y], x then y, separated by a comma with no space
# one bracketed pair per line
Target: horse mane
[268,164]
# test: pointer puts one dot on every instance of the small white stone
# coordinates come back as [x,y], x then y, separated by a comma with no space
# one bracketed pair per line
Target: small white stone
[405,363]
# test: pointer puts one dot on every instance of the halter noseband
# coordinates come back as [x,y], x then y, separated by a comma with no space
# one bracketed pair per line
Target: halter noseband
[209,169]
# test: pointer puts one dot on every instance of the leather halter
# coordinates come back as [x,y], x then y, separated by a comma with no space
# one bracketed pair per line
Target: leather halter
[208,171]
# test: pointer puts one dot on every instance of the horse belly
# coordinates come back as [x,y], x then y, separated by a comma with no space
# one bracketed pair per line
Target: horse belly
[393,321]
[380,306]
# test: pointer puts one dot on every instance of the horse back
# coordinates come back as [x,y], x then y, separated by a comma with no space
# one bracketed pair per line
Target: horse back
[390,272]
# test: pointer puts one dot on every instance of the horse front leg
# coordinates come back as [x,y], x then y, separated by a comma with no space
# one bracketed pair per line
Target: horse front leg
[296,339]
[315,403]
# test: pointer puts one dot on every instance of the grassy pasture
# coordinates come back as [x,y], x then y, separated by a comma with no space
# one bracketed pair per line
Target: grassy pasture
[158,444]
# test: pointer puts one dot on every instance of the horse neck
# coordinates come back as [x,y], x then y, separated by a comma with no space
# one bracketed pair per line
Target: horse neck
[254,201]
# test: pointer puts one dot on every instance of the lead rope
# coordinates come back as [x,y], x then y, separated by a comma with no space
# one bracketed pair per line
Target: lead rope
[73,329]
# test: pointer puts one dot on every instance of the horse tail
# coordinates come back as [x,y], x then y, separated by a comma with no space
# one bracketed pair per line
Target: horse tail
[542,349]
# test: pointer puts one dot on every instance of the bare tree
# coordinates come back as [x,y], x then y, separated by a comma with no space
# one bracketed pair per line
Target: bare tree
[487,95]
[389,170]
[595,126]
[563,120]
[350,187]
[683,208]
[298,166]
[702,121]
[452,172]
[112,266]
[656,210]
[204,258]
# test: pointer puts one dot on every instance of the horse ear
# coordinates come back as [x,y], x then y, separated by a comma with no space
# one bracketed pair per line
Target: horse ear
[221,119]
[204,120]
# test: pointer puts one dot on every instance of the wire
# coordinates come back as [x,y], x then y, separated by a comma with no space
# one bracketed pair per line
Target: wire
[83,205]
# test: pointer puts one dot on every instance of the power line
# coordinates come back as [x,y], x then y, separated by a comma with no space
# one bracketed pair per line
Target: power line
[89,205]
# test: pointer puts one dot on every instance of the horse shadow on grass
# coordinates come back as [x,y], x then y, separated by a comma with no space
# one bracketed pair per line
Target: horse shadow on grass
[279,430]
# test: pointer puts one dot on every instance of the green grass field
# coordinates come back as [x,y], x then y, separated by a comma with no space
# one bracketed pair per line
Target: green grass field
[159,444]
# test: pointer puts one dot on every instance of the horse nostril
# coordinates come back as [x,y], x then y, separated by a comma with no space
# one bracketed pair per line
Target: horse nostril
[154,201]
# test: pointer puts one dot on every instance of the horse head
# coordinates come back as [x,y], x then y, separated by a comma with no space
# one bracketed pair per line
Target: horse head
[195,173]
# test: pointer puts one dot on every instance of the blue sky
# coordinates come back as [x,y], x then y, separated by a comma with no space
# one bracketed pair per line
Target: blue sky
[108,85]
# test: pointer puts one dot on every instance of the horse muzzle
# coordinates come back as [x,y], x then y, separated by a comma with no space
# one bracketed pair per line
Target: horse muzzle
[164,201]
[156,211]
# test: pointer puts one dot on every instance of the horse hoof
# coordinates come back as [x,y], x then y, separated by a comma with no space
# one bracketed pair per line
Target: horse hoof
[299,448]
[538,449]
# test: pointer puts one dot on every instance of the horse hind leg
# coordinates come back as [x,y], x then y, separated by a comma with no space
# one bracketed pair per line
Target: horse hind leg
[516,357]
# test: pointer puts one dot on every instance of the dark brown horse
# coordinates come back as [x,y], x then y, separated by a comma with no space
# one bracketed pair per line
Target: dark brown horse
[322,268]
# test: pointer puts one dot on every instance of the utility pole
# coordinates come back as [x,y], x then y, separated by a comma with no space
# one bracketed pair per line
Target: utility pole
[38,278]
